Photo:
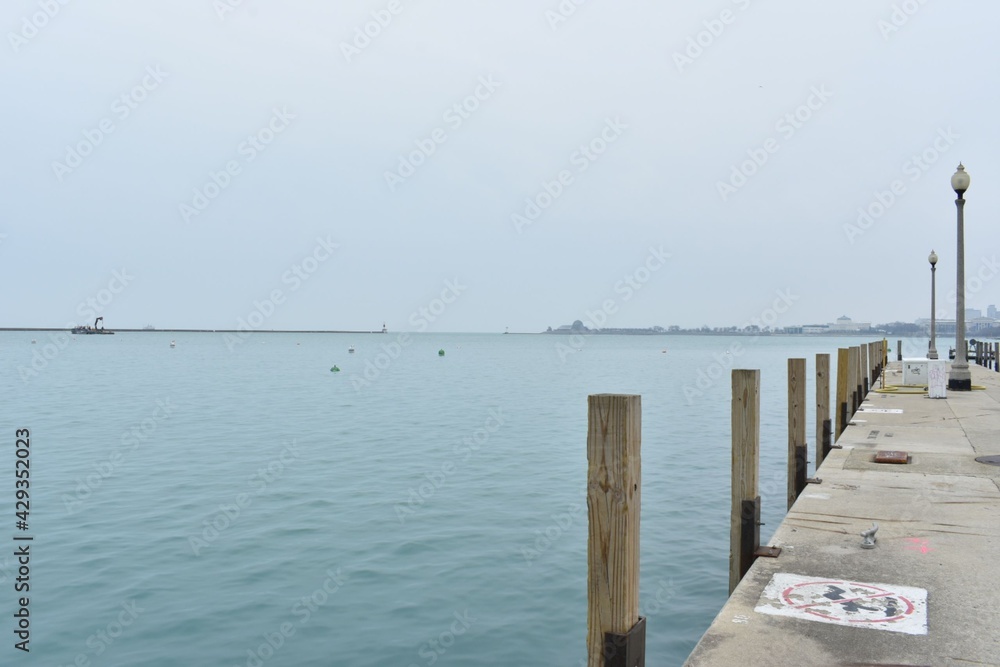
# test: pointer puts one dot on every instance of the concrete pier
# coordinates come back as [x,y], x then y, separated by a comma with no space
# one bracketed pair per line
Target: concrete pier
[928,592]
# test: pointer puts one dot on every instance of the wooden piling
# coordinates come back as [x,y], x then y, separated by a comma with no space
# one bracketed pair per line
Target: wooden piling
[996,357]
[614,470]
[843,393]
[863,369]
[899,350]
[823,435]
[871,365]
[852,375]
[797,456]
[744,531]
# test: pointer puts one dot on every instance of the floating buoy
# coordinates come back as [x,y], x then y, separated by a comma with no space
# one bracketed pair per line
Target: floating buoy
[335,369]
[440,353]
[351,349]
[33,341]
[173,344]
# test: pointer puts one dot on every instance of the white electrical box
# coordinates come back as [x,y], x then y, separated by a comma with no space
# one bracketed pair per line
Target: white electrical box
[915,372]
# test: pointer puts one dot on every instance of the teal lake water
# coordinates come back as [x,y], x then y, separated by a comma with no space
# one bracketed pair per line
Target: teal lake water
[205,506]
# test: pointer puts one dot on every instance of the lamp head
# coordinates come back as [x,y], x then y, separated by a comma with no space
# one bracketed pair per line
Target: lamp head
[932,258]
[960,181]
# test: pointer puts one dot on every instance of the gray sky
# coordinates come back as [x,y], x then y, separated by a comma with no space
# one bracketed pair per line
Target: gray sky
[622,121]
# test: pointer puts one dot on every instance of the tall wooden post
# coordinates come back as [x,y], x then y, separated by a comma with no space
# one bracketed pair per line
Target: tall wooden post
[871,365]
[996,357]
[863,369]
[843,384]
[881,359]
[899,350]
[797,457]
[823,435]
[614,426]
[852,374]
[744,530]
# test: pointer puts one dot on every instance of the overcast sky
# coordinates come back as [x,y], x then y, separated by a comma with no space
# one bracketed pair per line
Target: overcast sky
[190,163]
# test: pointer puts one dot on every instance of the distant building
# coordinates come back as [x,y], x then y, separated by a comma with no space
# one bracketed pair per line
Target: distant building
[991,312]
[845,323]
[972,313]
[815,328]
[980,324]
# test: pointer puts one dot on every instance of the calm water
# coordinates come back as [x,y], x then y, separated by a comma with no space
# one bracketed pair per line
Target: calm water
[191,505]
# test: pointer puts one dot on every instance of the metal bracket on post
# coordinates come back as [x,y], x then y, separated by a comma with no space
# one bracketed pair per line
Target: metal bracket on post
[628,650]
[750,525]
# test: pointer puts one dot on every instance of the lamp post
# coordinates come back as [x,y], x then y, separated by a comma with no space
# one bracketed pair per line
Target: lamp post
[932,350]
[960,379]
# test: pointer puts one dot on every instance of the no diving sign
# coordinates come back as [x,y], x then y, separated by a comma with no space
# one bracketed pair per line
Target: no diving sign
[841,602]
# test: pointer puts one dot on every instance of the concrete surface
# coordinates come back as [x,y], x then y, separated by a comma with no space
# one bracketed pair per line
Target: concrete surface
[939,530]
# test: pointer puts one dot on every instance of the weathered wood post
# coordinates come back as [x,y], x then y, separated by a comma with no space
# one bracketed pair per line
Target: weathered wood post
[823,435]
[797,456]
[996,357]
[616,634]
[881,358]
[871,365]
[899,350]
[843,394]
[852,375]
[860,379]
[744,527]
[863,370]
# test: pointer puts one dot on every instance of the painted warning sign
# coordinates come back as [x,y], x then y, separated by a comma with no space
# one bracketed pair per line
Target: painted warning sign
[884,411]
[841,602]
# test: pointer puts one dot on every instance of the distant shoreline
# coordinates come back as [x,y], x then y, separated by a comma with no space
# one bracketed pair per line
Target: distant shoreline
[501,333]
[233,331]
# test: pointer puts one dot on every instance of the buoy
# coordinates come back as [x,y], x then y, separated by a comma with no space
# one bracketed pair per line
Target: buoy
[33,341]
[440,353]
[351,349]
[335,369]
[173,344]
